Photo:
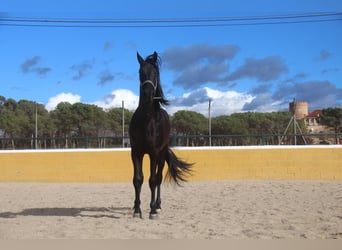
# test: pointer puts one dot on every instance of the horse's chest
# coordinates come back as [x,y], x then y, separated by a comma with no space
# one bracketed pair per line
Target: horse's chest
[151,129]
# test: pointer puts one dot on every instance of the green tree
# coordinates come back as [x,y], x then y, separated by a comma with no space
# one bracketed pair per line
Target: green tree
[332,117]
[13,120]
[115,120]
[89,120]
[189,122]
[63,119]
[192,126]
[32,112]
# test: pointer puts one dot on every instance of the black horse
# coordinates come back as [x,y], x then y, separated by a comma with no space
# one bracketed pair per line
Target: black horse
[149,131]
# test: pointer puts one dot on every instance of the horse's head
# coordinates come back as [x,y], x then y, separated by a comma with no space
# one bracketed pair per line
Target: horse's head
[149,77]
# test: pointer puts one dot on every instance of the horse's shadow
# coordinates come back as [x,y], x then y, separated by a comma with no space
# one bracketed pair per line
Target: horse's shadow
[92,212]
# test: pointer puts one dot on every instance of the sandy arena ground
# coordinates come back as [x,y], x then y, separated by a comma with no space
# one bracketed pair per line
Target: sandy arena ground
[198,210]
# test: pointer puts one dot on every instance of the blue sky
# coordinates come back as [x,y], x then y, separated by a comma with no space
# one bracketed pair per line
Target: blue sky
[254,67]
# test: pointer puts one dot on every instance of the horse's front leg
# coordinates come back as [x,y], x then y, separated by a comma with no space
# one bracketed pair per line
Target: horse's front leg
[153,184]
[161,164]
[138,179]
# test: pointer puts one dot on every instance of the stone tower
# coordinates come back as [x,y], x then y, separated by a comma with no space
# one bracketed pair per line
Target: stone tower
[300,109]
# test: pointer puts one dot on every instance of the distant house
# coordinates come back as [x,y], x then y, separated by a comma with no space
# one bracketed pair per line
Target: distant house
[312,119]
[301,112]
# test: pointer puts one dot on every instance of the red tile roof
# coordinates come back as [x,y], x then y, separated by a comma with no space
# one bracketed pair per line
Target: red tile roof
[314,114]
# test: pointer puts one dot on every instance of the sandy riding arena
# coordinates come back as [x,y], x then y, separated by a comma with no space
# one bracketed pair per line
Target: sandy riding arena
[198,210]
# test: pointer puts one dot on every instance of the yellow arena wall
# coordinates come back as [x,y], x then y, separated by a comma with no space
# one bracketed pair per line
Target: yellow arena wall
[211,163]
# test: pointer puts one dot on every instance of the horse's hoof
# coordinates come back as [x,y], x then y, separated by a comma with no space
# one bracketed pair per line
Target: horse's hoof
[137,215]
[158,210]
[153,216]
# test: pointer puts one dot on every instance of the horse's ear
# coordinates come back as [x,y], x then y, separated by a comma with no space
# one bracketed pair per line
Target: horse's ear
[140,59]
[155,56]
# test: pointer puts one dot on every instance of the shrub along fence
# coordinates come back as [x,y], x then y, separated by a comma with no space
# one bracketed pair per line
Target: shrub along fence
[175,140]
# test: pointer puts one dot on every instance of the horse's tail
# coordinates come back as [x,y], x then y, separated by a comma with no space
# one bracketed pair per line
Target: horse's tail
[178,169]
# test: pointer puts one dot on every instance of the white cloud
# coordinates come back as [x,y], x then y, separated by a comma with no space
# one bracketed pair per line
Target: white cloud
[62,97]
[265,103]
[223,103]
[115,99]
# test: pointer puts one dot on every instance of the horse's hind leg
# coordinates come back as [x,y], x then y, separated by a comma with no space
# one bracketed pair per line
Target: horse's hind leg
[138,179]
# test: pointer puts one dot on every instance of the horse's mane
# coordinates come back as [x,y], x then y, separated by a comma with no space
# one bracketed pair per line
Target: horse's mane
[160,98]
